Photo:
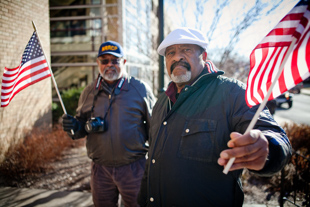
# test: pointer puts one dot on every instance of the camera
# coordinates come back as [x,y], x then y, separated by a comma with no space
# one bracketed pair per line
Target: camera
[95,124]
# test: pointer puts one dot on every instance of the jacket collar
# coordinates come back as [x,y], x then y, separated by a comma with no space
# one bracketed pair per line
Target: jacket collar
[209,68]
[122,84]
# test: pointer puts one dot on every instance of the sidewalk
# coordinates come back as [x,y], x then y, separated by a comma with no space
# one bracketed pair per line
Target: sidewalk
[27,197]
[306,89]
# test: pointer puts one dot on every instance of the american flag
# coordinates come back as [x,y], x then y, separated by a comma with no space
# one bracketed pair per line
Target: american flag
[266,58]
[32,69]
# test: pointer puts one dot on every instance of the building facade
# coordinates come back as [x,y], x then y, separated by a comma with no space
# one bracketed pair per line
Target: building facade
[71,32]
[78,27]
[31,106]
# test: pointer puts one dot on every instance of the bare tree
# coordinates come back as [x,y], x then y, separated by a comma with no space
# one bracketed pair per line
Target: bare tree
[199,13]
[241,22]
[251,16]
[217,16]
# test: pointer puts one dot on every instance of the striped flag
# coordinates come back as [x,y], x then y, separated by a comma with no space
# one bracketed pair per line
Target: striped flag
[266,58]
[32,69]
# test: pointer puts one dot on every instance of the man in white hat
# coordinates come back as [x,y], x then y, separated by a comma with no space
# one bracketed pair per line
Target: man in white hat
[194,123]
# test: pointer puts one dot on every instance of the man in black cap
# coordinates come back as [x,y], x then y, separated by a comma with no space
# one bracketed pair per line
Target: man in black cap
[114,114]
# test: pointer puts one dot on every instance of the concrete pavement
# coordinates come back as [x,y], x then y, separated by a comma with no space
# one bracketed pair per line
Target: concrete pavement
[26,197]
[305,90]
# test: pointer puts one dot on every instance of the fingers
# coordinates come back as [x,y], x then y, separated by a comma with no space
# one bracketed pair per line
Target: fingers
[66,116]
[68,122]
[67,119]
[250,151]
[243,145]
[238,139]
[255,161]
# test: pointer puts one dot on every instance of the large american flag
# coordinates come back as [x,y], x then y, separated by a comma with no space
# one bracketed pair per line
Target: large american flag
[266,58]
[32,69]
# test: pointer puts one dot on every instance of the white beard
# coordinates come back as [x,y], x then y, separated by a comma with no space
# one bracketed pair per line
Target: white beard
[181,78]
[111,77]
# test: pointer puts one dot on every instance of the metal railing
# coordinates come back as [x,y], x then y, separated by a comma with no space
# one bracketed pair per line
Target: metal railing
[296,191]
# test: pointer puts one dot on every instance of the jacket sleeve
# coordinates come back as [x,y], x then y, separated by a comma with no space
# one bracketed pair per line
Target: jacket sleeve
[145,92]
[80,116]
[280,149]
[150,102]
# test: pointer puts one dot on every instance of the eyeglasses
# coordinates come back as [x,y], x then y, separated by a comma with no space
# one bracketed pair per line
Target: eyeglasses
[106,61]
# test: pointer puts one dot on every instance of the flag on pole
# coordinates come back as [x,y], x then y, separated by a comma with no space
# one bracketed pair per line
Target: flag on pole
[267,56]
[32,69]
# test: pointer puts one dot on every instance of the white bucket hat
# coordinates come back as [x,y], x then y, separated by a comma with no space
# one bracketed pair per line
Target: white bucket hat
[183,35]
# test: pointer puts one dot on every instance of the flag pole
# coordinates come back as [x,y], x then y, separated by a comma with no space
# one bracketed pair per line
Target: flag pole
[52,75]
[262,105]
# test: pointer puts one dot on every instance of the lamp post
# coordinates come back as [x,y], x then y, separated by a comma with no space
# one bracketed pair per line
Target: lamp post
[160,39]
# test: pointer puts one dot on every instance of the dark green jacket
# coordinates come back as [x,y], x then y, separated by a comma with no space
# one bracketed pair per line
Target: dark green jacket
[186,141]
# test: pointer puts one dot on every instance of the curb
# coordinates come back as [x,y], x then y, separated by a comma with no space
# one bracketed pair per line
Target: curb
[305,91]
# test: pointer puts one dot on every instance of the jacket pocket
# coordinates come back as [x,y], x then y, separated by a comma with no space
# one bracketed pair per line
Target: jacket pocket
[198,140]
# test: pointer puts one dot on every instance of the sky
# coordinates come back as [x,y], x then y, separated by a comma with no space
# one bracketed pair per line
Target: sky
[248,39]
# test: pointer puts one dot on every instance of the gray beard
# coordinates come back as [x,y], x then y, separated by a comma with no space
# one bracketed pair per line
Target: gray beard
[111,77]
[182,78]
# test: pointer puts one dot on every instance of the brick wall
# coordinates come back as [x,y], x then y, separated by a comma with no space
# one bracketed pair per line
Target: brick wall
[32,106]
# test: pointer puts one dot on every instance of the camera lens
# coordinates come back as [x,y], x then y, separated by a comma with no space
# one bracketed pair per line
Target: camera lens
[88,127]
[95,125]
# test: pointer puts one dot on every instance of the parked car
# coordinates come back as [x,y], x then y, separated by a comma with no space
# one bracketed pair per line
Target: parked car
[284,98]
[272,105]
[297,88]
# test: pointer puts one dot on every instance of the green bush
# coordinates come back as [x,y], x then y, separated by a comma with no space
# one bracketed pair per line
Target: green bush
[70,99]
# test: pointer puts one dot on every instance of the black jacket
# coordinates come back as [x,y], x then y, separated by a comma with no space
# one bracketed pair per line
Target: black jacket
[186,140]
[127,121]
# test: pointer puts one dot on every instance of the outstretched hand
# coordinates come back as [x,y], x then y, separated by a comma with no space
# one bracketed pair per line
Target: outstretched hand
[250,150]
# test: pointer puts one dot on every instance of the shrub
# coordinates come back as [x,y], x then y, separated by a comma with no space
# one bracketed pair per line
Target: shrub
[70,99]
[296,172]
[299,136]
[35,152]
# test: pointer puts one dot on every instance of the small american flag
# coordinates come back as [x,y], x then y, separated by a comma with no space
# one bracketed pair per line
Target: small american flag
[32,69]
[266,58]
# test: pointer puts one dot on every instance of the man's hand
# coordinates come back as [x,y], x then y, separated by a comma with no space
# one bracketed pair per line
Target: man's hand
[250,150]
[70,123]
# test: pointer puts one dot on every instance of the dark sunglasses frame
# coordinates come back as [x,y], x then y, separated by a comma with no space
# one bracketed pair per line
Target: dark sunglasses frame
[106,61]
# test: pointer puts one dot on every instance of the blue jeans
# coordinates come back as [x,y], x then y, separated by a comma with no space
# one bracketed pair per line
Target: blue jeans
[108,182]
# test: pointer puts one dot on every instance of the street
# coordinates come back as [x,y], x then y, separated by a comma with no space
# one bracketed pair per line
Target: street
[299,113]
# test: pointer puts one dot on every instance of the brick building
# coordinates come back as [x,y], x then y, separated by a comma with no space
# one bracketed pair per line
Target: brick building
[71,32]
[32,106]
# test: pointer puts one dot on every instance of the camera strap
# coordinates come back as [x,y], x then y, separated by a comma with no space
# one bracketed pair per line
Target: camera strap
[119,86]
[116,91]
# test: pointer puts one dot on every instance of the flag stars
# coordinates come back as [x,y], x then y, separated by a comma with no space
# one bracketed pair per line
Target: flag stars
[32,50]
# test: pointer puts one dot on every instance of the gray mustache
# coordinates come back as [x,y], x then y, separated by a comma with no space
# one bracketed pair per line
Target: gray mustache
[110,68]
